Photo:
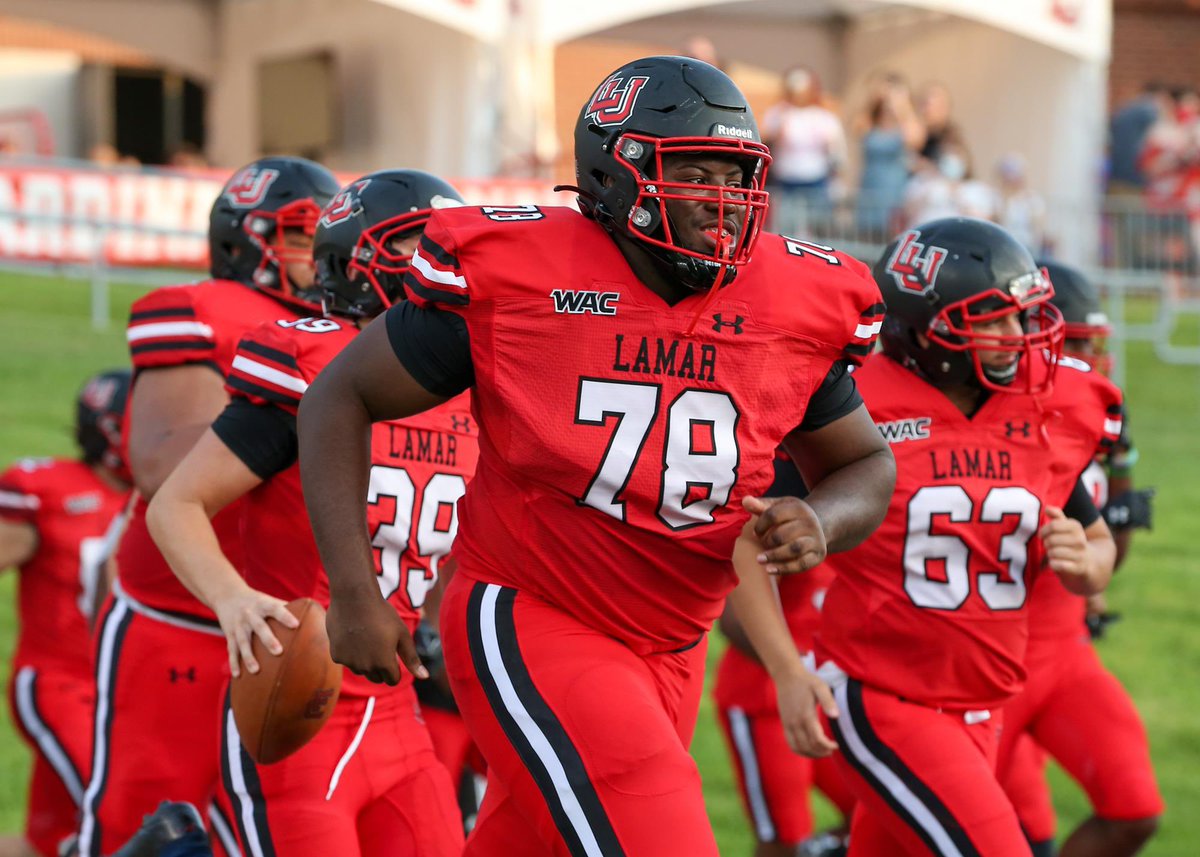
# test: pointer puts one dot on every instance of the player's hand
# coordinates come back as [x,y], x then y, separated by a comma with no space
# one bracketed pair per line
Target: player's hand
[368,637]
[800,695]
[1066,544]
[790,533]
[243,615]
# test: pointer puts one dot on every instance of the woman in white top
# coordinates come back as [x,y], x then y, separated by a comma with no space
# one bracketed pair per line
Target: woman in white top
[808,146]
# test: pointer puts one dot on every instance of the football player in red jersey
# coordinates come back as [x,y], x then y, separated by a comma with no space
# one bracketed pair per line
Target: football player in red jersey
[160,658]
[775,782]
[369,783]
[1071,705]
[54,514]
[924,628]
[633,371]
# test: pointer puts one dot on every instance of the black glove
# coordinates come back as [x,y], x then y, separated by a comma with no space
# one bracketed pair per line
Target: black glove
[1130,510]
[1097,623]
[429,647]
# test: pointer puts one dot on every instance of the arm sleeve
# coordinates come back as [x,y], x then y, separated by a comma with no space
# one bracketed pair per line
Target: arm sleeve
[262,436]
[837,396]
[265,371]
[19,502]
[433,345]
[165,329]
[1080,505]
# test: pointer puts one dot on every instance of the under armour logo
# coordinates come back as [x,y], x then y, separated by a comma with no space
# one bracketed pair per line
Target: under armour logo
[177,675]
[719,322]
[462,424]
[1011,428]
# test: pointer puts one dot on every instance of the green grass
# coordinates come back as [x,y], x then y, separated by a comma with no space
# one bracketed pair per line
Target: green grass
[47,347]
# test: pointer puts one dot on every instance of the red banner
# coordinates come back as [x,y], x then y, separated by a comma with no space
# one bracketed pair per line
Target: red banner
[151,217]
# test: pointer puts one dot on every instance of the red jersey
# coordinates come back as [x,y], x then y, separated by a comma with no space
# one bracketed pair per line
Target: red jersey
[198,323]
[616,446]
[419,470]
[932,607]
[71,508]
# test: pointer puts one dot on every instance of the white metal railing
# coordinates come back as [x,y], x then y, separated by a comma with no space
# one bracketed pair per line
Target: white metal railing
[1140,254]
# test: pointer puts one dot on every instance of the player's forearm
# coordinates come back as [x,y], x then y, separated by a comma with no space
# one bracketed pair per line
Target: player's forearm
[183,532]
[18,543]
[851,501]
[334,429]
[755,606]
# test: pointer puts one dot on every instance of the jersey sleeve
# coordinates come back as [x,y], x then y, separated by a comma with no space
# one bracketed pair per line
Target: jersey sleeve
[1114,420]
[19,500]
[436,276]
[265,370]
[167,328]
[868,304]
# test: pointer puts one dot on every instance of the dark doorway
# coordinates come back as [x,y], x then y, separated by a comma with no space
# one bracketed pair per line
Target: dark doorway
[158,114]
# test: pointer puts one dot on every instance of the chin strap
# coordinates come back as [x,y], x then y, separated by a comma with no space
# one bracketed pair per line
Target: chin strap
[718,282]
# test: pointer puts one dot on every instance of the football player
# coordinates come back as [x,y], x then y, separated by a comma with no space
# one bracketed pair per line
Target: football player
[775,782]
[1073,707]
[160,654]
[369,783]
[633,371]
[54,514]
[924,626]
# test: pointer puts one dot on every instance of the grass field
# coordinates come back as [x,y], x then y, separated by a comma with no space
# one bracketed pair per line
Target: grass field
[47,346]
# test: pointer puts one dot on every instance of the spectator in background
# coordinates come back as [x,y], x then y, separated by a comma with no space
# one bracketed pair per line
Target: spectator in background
[702,48]
[1127,130]
[891,134]
[188,157]
[946,189]
[1019,208]
[940,128]
[1170,162]
[808,146]
[104,155]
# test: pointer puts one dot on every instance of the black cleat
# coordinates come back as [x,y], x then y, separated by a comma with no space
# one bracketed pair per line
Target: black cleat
[175,829]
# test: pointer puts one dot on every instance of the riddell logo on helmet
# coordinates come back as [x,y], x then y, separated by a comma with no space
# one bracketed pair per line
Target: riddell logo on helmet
[732,131]
[613,102]
[249,187]
[344,204]
[913,265]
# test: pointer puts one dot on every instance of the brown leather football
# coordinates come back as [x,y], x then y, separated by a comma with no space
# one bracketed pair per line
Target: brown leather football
[281,707]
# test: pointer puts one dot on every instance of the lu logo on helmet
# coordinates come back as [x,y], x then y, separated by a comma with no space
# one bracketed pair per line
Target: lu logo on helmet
[249,187]
[913,265]
[613,102]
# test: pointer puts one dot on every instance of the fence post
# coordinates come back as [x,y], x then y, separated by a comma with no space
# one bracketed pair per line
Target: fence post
[99,282]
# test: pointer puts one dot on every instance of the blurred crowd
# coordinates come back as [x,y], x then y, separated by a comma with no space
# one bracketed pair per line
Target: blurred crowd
[912,164]
[1154,178]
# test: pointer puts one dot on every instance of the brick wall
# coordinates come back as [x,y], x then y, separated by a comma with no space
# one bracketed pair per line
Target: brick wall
[1153,40]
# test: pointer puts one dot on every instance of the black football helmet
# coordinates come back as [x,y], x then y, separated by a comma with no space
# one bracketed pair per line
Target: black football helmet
[654,108]
[360,268]
[99,417]
[250,216]
[942,278]
[1087,327]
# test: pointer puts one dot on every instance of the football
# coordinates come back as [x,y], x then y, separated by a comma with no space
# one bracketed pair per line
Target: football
[281,707]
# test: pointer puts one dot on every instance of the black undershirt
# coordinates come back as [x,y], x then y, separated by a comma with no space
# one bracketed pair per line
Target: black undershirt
[262,436]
